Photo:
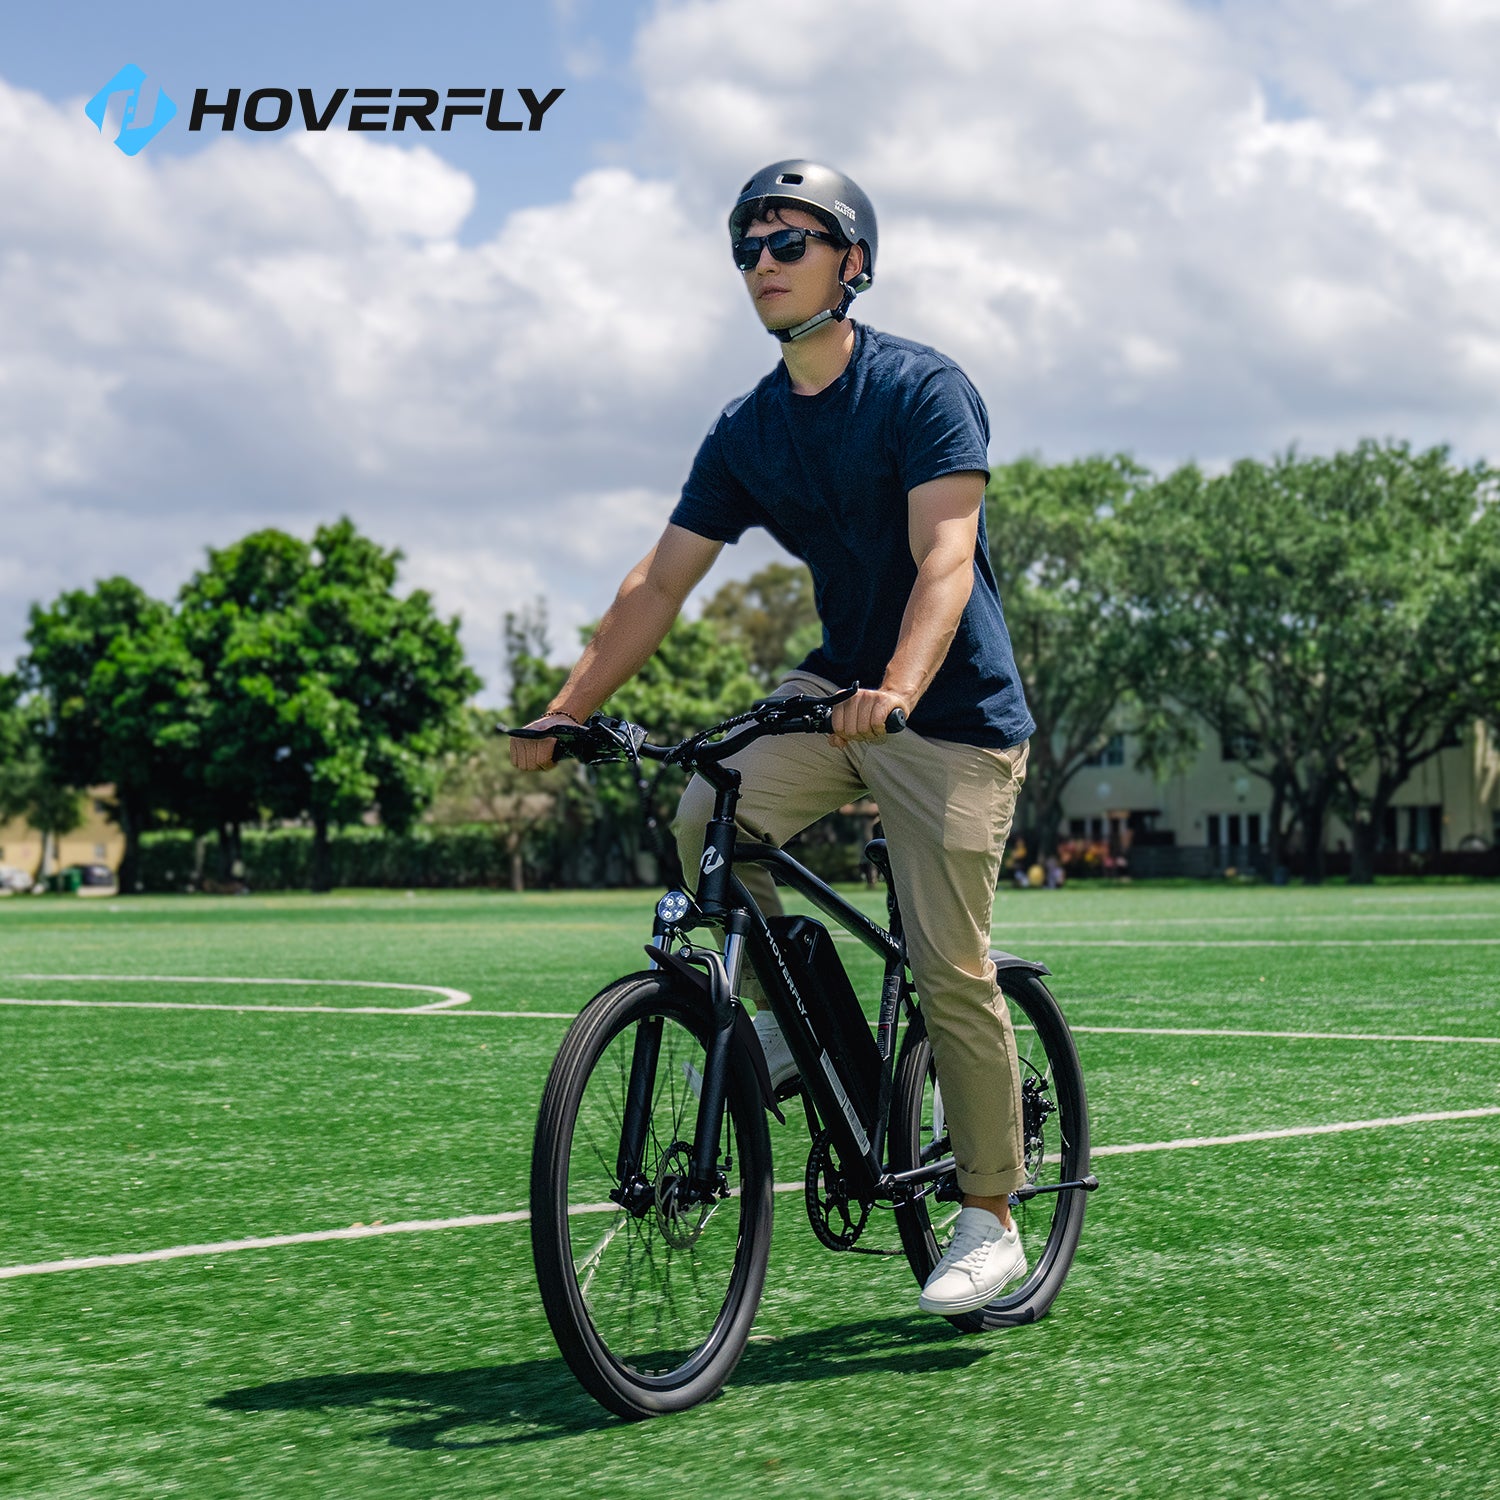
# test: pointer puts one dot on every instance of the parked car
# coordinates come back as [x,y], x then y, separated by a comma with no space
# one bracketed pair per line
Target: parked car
[83,880]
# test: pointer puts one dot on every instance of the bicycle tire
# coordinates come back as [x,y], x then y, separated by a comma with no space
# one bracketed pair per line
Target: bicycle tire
[1057,1150]
[640,1340]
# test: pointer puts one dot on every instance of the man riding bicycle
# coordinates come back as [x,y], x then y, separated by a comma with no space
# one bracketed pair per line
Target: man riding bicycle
[865,456]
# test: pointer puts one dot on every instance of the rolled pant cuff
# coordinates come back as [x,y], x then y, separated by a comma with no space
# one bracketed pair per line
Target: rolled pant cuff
[990,1184]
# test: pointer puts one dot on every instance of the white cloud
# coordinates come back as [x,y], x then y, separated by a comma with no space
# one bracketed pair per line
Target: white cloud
[290,332]
[1191,231]
[1098,209]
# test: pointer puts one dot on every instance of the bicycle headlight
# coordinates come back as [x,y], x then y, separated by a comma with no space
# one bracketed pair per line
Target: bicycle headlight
[673,907]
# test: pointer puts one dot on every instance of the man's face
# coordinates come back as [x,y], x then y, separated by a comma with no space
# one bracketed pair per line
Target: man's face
[786,293]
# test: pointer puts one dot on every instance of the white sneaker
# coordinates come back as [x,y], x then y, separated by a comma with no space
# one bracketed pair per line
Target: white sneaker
[780,1063]
[983,1257]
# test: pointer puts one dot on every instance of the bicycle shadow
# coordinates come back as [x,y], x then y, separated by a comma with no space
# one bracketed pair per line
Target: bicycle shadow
[539,1400]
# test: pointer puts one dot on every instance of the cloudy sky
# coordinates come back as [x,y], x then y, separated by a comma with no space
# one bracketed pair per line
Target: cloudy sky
[1190,231]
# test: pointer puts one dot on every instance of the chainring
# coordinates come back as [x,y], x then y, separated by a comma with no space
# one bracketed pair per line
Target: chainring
[837,1216]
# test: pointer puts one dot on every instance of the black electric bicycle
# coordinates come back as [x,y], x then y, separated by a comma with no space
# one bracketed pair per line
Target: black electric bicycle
[651,1182]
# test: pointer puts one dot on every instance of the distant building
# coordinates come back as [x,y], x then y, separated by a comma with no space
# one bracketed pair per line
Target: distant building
[95,841]
[1217,814]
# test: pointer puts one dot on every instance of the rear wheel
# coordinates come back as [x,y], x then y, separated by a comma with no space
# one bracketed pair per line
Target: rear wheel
[1055,1135]
[650,1294]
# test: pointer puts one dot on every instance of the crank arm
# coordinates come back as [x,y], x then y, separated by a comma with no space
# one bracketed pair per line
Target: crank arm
[1083,1184]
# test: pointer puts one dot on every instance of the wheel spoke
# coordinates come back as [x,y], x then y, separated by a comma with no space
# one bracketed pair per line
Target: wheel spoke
[657,1281]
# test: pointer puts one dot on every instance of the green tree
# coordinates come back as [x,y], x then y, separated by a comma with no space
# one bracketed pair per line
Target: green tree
[28,788]
[222,610]
[772,616]
[595,831]
[1056,546]
[119,700]
[331,694]
[533,680]
[695,678]
[478,784]
[1338,613]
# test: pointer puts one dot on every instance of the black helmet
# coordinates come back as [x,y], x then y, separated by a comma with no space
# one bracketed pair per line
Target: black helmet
[837,200]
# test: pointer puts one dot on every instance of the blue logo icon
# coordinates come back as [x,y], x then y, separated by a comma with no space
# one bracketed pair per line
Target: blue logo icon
[128,81]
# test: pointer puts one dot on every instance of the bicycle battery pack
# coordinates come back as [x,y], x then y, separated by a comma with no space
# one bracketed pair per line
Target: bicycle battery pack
[838,1024]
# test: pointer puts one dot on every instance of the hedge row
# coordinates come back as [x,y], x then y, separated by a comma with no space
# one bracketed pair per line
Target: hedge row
[281,859]
[429,858]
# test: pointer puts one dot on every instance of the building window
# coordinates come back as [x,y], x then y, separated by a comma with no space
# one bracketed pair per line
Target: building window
[1243,746]
[1215,836]
[1417,830]
[1252,831]
[1112,753]
[1425,828]
[1078,828]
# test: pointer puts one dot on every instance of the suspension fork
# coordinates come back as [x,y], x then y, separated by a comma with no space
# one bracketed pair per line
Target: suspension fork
[723,979]
[638,1096]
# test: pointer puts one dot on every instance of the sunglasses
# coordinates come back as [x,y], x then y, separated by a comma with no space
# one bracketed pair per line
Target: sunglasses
[784,245]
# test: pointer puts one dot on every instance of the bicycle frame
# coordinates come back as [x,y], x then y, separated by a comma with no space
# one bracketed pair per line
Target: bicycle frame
[723,899]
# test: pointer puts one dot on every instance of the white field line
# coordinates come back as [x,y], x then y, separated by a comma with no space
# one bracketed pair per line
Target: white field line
[1435,942]
[450,996]
[295,1010]
[1295,1130]
[1267,919]
[569,1015]
[519,1216]
[1296,1036]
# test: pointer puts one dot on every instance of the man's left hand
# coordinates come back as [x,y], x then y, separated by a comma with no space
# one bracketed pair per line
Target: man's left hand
[863,716]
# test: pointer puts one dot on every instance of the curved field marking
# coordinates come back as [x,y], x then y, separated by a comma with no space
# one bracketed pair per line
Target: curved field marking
[520,1216]
[450,996]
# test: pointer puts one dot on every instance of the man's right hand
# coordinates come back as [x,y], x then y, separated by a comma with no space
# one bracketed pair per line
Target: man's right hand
[537,755]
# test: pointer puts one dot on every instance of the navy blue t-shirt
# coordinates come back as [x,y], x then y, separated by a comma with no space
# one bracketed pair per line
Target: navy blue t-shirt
[827,475]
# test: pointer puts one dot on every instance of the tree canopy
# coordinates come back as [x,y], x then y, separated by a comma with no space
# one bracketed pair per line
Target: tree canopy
[291,680]
[1056,545]
[1338,614]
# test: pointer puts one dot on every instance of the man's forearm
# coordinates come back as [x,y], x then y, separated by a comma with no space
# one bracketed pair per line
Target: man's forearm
[631,630]
[944,583]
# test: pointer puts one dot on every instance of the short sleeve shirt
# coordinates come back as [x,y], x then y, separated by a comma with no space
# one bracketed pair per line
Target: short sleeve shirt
[827,475]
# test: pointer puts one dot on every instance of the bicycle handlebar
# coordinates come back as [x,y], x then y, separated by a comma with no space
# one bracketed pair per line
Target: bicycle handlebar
[601,739]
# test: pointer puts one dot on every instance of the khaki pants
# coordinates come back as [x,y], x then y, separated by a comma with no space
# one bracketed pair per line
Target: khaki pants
[946,809]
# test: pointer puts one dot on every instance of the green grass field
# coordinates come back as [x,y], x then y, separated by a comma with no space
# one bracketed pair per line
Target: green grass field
[1283,1315]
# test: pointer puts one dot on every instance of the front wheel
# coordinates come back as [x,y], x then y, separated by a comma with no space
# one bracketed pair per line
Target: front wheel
[1055,1137]
[650,1293]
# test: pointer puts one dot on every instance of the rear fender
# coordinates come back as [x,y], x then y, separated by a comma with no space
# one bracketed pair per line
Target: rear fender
[1003,960]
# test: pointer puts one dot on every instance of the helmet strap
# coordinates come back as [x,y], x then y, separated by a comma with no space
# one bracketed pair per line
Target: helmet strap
[829,314]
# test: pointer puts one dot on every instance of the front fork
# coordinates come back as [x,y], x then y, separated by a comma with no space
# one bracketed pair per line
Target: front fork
[706,1180]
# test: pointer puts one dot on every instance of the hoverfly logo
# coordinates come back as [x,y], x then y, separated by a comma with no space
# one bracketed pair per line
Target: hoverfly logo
[130,82]
[273,109]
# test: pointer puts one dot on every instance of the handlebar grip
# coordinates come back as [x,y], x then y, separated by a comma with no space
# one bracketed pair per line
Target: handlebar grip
[895,721]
